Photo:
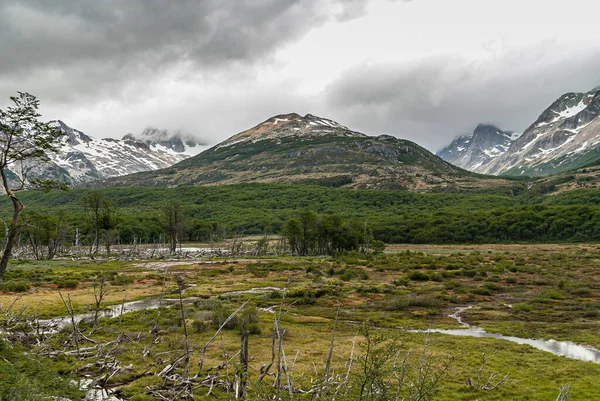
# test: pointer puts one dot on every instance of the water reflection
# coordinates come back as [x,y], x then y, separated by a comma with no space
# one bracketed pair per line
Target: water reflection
[561,348]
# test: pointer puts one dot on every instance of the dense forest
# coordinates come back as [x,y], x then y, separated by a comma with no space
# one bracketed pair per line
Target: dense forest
[138,214]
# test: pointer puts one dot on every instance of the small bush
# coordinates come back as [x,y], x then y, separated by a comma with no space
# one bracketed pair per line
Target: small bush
[553,294]
[397,303]
[481,291]
[123,279]
[67,284]
[15,286]
[492,286]
[200,326]
[377,246]
[401,282]
[418,276]
[437,277]
[424,301]
[522,307]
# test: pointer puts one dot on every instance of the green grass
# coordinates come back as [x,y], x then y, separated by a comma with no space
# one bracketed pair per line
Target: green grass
[554,294]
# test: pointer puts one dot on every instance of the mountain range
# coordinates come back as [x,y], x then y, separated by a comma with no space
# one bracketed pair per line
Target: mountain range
[290,148]
[565,136]
[82,158]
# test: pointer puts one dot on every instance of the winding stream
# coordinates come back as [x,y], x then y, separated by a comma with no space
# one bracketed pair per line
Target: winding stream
[561,348]
[56,324]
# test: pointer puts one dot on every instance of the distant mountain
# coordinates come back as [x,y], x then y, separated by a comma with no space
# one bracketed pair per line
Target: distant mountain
[162,140]
[565,136]
[82,158]
[475,151]
[308,149]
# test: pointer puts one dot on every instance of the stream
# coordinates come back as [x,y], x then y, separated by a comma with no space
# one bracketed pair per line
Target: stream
[561,348]
[56,324]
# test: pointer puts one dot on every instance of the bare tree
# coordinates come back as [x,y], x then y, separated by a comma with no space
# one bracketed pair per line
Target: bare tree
[491,382]
[23,138]
[100,290]
[174,224]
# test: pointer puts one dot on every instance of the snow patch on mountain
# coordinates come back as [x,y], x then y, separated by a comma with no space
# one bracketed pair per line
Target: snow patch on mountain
[288,125]
[474,151]
[558,140]
[82,158]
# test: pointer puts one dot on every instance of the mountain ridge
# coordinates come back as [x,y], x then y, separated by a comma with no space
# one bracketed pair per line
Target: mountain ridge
[565,136]
[82,158]
[289,148]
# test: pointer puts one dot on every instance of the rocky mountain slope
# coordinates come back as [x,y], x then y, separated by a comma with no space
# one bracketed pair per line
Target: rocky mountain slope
[83,158]
[312,150]
[475,151]
[565,136]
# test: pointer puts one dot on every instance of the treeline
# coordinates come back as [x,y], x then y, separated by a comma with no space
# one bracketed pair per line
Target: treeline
[311,234]
[211,213]
[532,223]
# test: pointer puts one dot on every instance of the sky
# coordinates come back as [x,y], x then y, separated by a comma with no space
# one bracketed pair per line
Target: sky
[423,70]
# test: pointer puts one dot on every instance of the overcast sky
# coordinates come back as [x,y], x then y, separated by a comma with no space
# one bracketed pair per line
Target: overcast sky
[424,70]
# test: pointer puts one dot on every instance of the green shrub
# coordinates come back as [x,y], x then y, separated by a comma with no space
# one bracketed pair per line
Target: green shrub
[481,291]
[401,282]
[67,284]
[396,303]
[418,276]
[492,286]
[553,294]
[522,307]
[377,246]
[15,286]
[123,279]
[424,301]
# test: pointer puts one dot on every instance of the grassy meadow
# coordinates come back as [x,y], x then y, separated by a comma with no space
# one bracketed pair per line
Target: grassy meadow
[531,291]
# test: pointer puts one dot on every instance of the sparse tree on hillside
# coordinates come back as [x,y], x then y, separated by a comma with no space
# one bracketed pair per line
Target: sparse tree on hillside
[23,138]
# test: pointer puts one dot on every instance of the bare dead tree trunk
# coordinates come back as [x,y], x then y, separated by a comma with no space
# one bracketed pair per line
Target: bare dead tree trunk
[210,340]
[70,311]
[180,285]
[13,230]
[242,373]
[564,392]
[99,292]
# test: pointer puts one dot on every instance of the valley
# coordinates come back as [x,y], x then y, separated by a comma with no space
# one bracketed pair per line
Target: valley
[299,200]
[300,259]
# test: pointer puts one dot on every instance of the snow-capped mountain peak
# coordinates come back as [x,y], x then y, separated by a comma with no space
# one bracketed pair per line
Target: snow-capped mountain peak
[82,158]
[176,143]
[558,140]
[478,148]
[290,125]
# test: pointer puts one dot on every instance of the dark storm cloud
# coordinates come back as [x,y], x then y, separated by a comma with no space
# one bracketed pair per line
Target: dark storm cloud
[434,100]
[88,46]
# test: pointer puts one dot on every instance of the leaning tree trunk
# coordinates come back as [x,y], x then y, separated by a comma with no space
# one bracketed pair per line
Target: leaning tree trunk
[13,231]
